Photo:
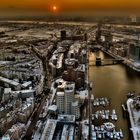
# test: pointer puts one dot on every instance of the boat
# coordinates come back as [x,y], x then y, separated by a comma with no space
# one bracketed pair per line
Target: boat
[130,94]
[103,103]
[94,103]
[97,101]
[118,135]
[96,116]
[106,116]
[114,133]
[94,137]
[121,133]
[111,135]
[109,126]
[96,128]
[114,116]
[99,135]
[106,101]
[90,85]
[102,128]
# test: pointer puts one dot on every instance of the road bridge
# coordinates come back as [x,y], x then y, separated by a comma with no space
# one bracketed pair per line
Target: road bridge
[104,62]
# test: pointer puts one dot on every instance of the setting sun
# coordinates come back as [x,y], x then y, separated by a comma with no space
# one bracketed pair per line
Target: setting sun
[54,8]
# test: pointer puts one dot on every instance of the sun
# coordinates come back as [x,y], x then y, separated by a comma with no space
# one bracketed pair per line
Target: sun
[54,8]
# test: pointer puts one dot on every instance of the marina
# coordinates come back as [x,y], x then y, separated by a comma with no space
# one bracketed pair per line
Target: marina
[101,102]
[102,132]
[105,115]
[112,82]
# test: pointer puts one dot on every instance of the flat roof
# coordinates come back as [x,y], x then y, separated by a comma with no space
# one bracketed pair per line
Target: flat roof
[26,84]
[67,129]
[23,91]
[64,132]
[75,103]
[7,90]
[60,93]
[71,132]
[81,68]
[49,130]
[52,107]
[11,82]
[66,118]
[134,116]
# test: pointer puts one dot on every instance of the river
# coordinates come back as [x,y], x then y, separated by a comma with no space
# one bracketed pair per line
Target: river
[113,82]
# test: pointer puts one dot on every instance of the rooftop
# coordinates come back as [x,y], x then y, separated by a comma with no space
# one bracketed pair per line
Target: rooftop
[60,93]
[11,82]
[134,115]
[49,130]
[66,118]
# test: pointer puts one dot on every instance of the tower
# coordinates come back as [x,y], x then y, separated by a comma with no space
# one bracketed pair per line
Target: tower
[60,102]
[69,96]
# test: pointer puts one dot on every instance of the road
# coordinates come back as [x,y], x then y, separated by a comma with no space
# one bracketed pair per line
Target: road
[34,119]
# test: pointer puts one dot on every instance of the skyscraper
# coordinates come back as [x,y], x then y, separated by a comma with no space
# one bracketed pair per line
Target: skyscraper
[69,96]
[60,102]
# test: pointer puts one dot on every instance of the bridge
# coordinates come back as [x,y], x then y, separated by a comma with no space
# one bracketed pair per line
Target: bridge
[104,62]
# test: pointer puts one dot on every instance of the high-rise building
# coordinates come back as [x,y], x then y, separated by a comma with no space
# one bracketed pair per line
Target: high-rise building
[63,35]
[60,102]
[75,110]
[69,96]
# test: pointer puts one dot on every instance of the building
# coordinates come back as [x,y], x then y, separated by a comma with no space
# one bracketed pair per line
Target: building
[70,63]
[8,93]
[69,96]
[60,102]
[49,129]
[63,128]
[133,18]
[133,106]
[134,52]
[25,111]
[24,93]
[10,83]
[53,109]
[63,35]
[7,122]
[15,132]
[75,109]
[26,84]
[83,57]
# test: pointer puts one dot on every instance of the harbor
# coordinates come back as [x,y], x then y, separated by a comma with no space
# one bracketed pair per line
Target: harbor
[113,83]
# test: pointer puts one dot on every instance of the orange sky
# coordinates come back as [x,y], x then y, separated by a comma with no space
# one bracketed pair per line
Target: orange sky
[72,5]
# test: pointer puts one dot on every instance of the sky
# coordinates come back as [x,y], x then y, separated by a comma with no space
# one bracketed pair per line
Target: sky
[69,6]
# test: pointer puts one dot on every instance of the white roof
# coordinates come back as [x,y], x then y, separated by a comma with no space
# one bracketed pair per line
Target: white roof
[26,84]
[52,107]
[60,93]
[11,82]
[7,90]
[74,104]
[23,91]
[6,137]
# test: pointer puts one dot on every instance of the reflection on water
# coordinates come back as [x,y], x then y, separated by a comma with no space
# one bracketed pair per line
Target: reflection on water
[113,81]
